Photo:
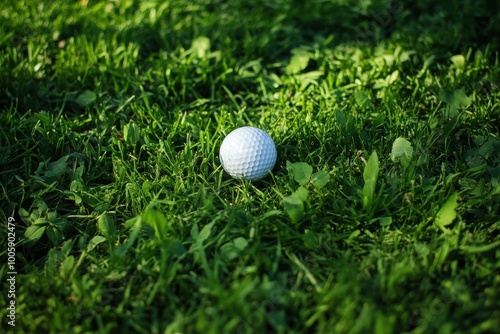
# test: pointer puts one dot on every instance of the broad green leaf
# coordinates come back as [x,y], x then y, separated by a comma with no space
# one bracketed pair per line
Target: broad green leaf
[229,251]
[240,243]
[131,133]
[455,99]
[86,98]
[41,205]
[194,231]
[294,207]
[41,221]
[146,186]
[371,168]
[205,231]
[384,221]
[76,198]
[94,242]
[447,213]
[362,99]
[52,216]
[78,174]
[320,179]
[402,151]
[458,61]
[54,169]
[55,236]
[394,76]
[61,224]
[489,148]
[67,246]
[200,46]
[25,215]
[106,225]
[232,249]
[301,172]
[44,117]
[67,266]
[370,176]
[402,147]
[308,78]
[34,232]
[76,186]
[299,61]
[157,221]
[301,194]
[422,249]
[341,119]
[176,248]
[132,222]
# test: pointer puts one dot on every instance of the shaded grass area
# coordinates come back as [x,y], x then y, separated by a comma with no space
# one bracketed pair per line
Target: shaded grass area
[112,115]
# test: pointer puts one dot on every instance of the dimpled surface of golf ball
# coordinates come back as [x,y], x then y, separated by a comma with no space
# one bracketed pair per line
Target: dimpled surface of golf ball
[247,153]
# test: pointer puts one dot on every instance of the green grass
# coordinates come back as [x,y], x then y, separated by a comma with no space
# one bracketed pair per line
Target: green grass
[111,117]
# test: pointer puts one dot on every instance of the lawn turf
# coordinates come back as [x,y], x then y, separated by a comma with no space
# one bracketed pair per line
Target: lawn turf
[381,215]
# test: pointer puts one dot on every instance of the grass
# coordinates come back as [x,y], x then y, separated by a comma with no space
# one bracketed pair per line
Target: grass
[381,215]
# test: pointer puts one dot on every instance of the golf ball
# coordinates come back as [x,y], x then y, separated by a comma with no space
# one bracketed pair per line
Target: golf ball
[248,153]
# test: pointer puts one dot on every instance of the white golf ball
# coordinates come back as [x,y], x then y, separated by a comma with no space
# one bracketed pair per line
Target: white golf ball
[248,153]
